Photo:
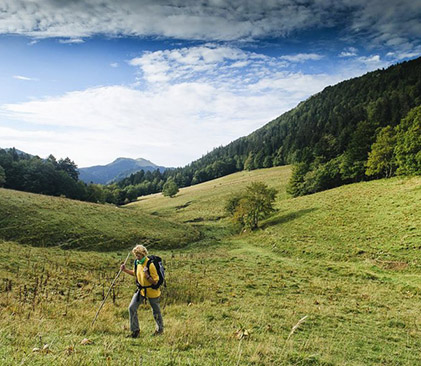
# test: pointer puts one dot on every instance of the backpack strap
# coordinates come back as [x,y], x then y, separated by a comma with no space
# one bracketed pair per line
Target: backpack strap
[139,286]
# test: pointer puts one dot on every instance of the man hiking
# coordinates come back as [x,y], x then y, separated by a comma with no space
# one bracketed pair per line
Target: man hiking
[146,279]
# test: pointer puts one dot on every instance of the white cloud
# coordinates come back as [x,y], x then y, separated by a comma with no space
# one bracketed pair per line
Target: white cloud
[356,66]
[71,41]
[195,63]
[398,56]
[114,64]
[349,52]
[25,78]
[374,59]
[302,57]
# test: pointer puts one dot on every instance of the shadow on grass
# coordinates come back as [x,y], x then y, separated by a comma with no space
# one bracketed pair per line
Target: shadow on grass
[282,219]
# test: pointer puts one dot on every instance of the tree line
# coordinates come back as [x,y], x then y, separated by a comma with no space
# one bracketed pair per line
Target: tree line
[24,172]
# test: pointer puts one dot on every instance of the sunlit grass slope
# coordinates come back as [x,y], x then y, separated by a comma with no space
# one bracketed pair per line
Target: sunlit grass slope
[375,220]
[52,221]
[344,261]
[204,203]
[378,220]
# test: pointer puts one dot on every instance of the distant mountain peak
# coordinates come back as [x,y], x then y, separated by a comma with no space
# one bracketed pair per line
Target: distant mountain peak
[120,168]
[141,161]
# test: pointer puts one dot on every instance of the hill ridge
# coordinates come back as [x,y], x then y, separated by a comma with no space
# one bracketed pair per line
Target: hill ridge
[118,169]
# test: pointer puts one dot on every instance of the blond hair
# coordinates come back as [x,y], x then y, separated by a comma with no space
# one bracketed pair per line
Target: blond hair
[140,249]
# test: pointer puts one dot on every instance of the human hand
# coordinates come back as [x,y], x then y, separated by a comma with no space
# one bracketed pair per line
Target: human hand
[123,267]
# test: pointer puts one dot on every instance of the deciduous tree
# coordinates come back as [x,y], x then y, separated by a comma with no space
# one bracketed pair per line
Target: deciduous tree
[381,161]
[248,208]
[170,188]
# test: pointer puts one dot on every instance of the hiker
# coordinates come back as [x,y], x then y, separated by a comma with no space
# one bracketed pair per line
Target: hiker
[144,279]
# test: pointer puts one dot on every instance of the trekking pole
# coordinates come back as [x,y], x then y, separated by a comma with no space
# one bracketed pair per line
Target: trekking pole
[112,285]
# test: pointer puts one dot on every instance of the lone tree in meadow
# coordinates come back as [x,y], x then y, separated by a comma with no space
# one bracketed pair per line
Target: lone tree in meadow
[249,207]
[170,188]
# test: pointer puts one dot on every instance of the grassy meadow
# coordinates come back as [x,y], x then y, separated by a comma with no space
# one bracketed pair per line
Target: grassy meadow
[204,203]
[52,221]
[330,279]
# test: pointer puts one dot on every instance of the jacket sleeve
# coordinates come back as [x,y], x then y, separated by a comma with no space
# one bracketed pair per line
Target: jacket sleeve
[153,272]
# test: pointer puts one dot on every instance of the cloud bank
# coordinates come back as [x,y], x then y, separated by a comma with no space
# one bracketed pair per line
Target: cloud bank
[386,22]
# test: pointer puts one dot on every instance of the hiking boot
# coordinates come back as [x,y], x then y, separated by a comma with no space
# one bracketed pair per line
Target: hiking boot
[157,333]
[134,334]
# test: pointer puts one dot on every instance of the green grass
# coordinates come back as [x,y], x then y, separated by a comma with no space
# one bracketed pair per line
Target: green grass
[345,258]
[204,203]
[51,221]
[376,221]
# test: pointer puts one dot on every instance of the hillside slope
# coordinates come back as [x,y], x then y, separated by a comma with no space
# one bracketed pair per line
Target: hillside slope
[378,219]
[52,221]
[204,203]
[330,279]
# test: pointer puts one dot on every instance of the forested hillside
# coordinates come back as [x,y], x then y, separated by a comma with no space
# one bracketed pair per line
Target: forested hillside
[329,135]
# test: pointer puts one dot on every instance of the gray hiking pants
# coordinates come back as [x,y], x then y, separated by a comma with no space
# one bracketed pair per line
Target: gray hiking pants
[156,310]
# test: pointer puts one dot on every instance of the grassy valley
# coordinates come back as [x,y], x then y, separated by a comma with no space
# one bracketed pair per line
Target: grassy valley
[330,279]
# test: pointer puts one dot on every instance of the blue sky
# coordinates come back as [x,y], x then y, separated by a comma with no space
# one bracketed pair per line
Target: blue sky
[170,80]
